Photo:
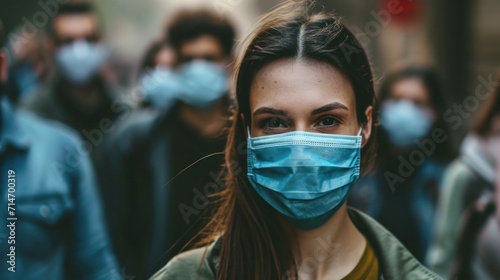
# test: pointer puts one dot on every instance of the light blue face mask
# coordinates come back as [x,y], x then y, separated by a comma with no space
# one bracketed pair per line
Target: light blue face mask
[404,122]
[80,60]
[203,82]
[304,176]
[161,87]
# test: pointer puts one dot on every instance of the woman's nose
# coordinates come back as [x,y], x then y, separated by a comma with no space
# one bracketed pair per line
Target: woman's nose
[302,126]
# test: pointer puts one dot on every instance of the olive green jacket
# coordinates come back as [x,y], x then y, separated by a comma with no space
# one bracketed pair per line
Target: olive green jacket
[395,262]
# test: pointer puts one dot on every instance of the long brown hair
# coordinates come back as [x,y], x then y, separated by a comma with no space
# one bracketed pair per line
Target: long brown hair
[257,243]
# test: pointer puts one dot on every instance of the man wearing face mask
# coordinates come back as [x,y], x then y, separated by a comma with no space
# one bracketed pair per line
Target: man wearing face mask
[77,93]
[54,226]
[157,190]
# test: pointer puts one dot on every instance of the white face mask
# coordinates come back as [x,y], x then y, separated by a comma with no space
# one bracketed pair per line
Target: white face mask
[80,61]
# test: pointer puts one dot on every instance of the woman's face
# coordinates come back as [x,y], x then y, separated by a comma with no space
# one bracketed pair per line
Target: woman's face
[300,95]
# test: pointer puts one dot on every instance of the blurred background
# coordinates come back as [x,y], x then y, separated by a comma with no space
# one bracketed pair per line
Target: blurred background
[146,88]
[460,38]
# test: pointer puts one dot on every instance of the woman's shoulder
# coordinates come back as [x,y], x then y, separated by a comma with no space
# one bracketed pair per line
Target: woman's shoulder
[197,264]
[396,262]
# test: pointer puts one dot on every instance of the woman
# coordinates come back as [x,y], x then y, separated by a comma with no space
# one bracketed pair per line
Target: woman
[158,86]
[402,193]
[305,113]
[466,243]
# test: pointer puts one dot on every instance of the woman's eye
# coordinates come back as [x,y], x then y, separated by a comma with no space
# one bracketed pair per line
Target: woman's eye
[328,121]
[274,123]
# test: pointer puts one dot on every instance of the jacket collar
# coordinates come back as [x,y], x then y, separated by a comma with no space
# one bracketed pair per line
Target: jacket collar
[395,261]
[11,134]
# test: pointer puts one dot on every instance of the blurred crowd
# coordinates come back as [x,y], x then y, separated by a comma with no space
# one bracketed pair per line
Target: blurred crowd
[114,181]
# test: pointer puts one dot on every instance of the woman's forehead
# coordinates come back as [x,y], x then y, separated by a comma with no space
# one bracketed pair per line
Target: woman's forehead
[299,82]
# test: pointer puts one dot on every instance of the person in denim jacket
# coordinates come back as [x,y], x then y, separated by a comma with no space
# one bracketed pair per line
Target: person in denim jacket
[56,223]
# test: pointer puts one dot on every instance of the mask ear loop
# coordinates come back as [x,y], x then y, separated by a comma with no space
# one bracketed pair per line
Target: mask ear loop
[248,133]
[360,130]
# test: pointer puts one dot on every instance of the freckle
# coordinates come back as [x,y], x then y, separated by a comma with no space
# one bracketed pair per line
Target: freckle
[275,82]
[262,87]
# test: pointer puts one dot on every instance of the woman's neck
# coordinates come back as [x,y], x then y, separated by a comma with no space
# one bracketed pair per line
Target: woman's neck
[331,251]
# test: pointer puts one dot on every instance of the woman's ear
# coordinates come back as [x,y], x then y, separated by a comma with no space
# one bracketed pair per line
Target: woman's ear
[367,127]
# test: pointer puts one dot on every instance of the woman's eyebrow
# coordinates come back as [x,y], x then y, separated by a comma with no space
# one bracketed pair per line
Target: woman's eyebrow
[268,110]
[329,107]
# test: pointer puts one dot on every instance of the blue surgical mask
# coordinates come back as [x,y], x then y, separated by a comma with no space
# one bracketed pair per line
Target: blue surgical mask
[203,82]
[80,60]
[405,122]
[161,87]
[304,176]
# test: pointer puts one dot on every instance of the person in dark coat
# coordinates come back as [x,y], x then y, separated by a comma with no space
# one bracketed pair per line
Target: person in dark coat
[160,167]
[78,92]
